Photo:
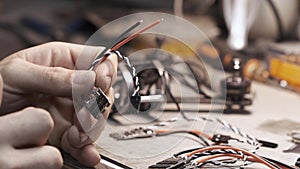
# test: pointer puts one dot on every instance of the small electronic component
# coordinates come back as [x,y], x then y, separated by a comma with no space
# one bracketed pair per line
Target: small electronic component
[169,163]
[219,138]
[134,133]
[96,102]
[237,87]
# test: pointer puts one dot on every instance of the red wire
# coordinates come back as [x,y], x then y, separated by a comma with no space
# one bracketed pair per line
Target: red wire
[129,38]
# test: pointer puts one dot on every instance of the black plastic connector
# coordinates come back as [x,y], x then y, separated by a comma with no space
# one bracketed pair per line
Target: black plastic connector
[170,163]
[219,138]
[96,102]
[268,144]
[298,163]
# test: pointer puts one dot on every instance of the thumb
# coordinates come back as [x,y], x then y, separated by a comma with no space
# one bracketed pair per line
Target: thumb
[82,82]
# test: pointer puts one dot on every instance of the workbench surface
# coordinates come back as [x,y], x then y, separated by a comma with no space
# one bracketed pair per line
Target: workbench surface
[273,114]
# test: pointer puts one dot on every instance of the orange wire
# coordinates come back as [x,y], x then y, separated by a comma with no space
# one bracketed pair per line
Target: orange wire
[199,133]
[129,38]
[202,134]
[232,148]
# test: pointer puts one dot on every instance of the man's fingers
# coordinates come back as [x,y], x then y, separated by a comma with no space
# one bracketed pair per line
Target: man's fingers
[20,130]
[31,158]
[31,78]
[40,157]
[49,69]
[76,138]
[60,54]
[87,154]
[106,72]
[86,123]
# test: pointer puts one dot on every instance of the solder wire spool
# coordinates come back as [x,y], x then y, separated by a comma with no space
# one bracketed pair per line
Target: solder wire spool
[173,27]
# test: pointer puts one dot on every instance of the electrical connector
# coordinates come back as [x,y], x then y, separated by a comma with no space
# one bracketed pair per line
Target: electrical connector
[170,163]
[134,133]
[298,163]
[96,102]
[219,138]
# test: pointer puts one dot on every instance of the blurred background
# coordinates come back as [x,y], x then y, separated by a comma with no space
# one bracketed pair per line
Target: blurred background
[263,34]
[27,23]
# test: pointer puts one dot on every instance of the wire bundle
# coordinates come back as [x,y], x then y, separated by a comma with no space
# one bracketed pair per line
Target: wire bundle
[223,155]
[114,46]
[214,155]
[249,139]
[227,156]
[133,72]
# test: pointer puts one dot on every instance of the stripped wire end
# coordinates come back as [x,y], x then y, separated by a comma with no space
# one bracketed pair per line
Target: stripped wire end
[129,38]
[140,21]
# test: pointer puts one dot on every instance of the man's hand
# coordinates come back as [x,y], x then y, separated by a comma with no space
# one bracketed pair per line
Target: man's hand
[23,135]
[44,77]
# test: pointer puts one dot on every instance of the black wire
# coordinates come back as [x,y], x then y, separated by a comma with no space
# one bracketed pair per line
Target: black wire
[114,162]
[116,42]
[208,162]
[186,151]
[272,163]
[279,21]
[219,164]
[186,132]
[177,104]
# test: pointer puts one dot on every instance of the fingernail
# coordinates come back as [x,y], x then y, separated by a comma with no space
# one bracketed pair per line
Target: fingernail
[83,138]
[107,83]
[83,77]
